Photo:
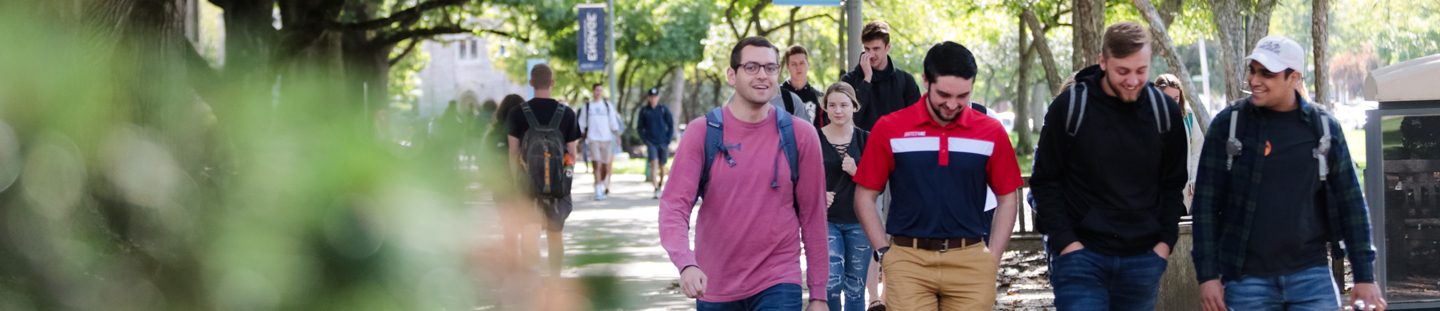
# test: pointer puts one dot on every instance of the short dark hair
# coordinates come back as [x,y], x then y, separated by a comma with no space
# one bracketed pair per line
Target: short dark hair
[792,51]
[876,30]
[541,77]
[748,41]
[1124,39]
[949,59]
[593,86]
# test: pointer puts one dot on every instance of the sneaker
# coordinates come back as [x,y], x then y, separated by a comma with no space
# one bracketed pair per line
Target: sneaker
[657,194]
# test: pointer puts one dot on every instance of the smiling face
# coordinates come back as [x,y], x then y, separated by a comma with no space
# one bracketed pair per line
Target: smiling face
[757,86]
[1127,76]
[947,97]
[1273,90]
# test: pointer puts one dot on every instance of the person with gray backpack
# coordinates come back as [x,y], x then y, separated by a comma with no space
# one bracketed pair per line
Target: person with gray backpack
[1108,175]
[543,139]
[1276,193]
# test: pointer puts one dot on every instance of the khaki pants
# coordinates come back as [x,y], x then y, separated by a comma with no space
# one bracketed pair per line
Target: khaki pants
[958,279]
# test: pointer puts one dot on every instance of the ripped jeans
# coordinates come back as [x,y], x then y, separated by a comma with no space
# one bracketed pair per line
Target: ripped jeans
[849,261]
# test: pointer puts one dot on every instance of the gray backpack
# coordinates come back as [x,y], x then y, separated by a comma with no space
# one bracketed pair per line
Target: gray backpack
[1321,152]
[543,152]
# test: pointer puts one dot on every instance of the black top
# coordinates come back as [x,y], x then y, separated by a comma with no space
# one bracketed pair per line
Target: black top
[807,94]
[836,180]
[543,108]
[1116,185]
[1288,234]
[888,90]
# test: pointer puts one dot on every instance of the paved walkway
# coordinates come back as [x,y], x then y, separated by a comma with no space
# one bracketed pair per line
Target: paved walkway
[613,247]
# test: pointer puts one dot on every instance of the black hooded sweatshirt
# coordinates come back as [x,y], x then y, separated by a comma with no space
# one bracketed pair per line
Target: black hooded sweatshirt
[1115,185]
[888,90]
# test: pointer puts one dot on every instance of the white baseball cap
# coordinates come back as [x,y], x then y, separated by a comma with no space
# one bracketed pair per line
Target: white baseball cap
[1278,53]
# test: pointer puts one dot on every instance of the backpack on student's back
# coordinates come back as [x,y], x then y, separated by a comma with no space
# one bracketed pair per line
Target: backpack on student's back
[1321,151]
[1081,92]
[543,152]
[715,145]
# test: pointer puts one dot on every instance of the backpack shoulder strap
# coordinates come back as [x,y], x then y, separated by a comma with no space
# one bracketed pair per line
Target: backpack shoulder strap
[980,108]
[786,125]
[1159,108]
[714,144]
[1233,145]
[556,118]
[1072,120]
[789,102]
[1322,150]
[529,116]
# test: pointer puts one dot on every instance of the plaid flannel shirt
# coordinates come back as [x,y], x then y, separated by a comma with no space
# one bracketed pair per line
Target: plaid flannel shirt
[1224,202]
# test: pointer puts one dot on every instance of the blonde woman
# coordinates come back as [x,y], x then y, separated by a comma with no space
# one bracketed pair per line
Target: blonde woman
[841,145]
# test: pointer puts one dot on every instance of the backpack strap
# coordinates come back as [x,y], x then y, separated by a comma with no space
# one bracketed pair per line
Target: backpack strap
[1233,145]
[714,144]
[1070,117]
[1322,151]
[556,118]
[530,116]
[1159,109]
[786,124]
[789,103]
[979,108]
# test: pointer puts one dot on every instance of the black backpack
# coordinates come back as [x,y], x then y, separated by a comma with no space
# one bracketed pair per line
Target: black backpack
[1081,92]
[542,151]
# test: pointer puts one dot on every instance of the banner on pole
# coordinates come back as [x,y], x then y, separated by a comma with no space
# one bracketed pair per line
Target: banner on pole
[591,37]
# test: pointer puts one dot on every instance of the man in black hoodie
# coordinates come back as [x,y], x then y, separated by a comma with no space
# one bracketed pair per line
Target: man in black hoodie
[880,87]
[1108,175]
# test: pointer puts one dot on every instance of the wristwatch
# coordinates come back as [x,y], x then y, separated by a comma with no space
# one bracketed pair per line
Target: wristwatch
[880,253]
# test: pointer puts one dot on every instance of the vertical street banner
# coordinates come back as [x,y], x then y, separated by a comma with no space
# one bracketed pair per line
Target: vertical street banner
[591,37]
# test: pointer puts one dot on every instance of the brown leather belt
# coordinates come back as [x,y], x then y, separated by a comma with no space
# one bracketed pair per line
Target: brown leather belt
[940,245]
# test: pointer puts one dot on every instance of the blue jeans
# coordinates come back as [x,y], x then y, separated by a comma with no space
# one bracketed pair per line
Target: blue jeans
[781,297]
[849,261]
[1309,289]
[1086,280]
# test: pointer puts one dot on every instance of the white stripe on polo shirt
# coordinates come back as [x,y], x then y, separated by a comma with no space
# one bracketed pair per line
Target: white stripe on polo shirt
[975,146]
[932,144]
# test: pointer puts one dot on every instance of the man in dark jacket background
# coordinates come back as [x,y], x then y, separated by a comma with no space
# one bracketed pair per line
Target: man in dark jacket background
[880,87]
[657,128]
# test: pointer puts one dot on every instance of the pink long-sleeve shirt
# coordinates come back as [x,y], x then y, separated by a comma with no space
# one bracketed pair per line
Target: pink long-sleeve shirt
[746,237]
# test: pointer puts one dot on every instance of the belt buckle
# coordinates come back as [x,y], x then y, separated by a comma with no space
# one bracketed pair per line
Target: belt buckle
[944,246]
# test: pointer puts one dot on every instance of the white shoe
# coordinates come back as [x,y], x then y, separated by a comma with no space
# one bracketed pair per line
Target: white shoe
[657,194]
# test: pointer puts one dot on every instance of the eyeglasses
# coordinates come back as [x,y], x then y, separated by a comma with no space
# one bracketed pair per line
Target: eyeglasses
[754,68]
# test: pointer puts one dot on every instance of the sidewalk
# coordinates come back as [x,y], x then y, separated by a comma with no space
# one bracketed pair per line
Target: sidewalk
[617,240]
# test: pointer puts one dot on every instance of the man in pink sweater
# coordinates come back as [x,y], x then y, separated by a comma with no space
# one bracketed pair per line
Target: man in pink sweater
[747,248]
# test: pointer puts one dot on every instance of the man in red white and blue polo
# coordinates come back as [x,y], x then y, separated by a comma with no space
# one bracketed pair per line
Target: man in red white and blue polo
[938,156]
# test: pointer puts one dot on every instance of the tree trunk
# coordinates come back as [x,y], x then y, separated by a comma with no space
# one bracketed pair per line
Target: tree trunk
[1226,14]
[1047,59]
[1258,23]
[1089,22]
[677,93]
[1022,96]
[1167,49]
[1320,40]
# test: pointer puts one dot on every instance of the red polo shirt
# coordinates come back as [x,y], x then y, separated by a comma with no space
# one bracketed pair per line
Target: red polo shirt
[938,194]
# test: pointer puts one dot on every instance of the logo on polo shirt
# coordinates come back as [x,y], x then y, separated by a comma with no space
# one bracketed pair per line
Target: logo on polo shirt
[915,134]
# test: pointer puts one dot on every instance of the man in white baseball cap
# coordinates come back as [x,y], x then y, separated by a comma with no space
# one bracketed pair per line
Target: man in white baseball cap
[1277,192]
